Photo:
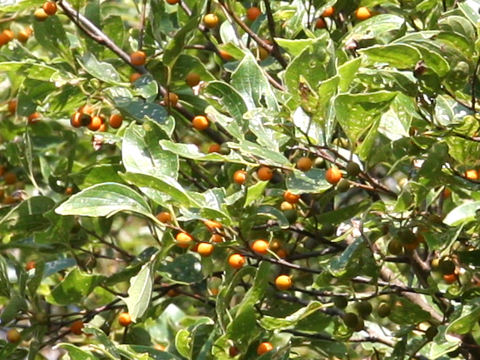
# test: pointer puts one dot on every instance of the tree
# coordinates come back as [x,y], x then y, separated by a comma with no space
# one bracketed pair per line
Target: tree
[217,180]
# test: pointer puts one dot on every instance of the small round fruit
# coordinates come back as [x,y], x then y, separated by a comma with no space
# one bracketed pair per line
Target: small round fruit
[362,13]
[260,246]
[240,176]
[446,266]
[286,206]
[353,169]
[10,178]
[282,253]
[351,320]
[13,336]
[225,55]
[8,34]
[214,148]
[264,347]
[304,163]
[253,13]
[333,175]
[283,282]
[68,190]
[115,121]
[340,302]
[124,319]
[216,238]
[431,332]
[290,197]
[12,106]
[329,11]
[77,327]
[164,217]
[471,174]
[134,77]
[236,261]
[184,239]
[263,53]
[192,79]
[406,236]
[212,225]
[210,20]
[33,118]
[138,58]
[172,292]
[40,15]
[173,2]
[343,185]
[200,122]
[364,308]
[103,127]
[95,123]
[205,249]
[30,265]
[24,35]
[50,7]
[320,24]
[79,119]
[171,99]
[264,173]
[233,351]
[450,278]
[384,309]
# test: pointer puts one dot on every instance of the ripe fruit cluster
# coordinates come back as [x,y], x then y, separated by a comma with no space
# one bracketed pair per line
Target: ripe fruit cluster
[6,36]
[84,116]
[48,8]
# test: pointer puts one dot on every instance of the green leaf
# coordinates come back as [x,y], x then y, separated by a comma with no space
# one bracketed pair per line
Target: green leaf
[274,213]
[255,192]
[400,56]
[465,323]
[312,181]
[256,151]
[182,343]
[405,312]
[51,34]
[228,100]
[462,214]
[271,323]
[344,213]
[382,29]
[176,46]
[140,292]
[338,266]
[251,83]
[98,69]
[141,153]
[184,269]
[104,200]
[74,288]
[77,353]
[356,113]
[13,307]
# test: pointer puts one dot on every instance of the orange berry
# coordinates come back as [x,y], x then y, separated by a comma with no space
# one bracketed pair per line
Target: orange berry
[9,200]
[471,174]
[184,239]
[447,193]
[214,148]
[33,118]
[124,319]
[30,265]
[76,327]
[240,176]
[333,175]
[362,13]
[10,178]
[283,282]
[192,79]
[200,122]
[263,53]
[12,106]
[172,292]
[329,11]
[164,217]
[210,20]
[95,123]
[2,170]
[115,121]
[40,15]
[264,347]
[170,99]
[450,278]
[260,246]
[212,225]
[205,249]
[233,351]
[320,24]
[225,55]
[304,163]
[13,336]
[8,34]
[50,7]
[264,173]
[236,261]
[24,35]
[138,58]
[103,127]
[134,77]
[253,13]
[216,238]
[290,197]
[172,2]
[69,190]
[282,253]
[159,347]
[86,109]
[285,206]
[80,119]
